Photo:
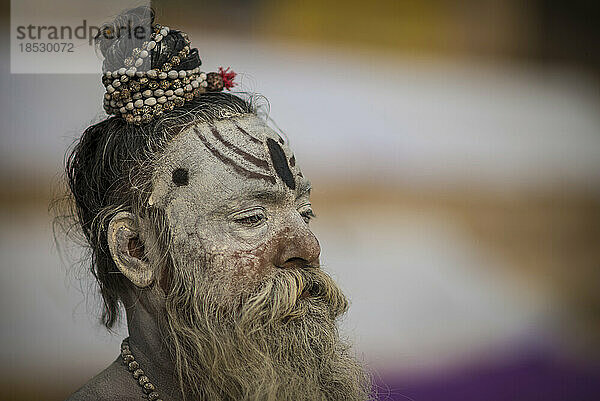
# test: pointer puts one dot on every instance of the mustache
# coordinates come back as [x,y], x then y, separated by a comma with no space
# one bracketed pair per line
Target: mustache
[291,294]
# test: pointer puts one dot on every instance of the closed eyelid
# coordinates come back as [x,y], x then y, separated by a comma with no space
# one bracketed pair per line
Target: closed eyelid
[307,215]
[247,212]
[304,206]
[254,217]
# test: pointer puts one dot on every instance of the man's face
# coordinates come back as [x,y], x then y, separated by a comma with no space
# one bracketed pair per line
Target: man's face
[234,195]
[248,312]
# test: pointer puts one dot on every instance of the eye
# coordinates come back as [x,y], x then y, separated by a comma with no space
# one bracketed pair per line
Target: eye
[307,214]
[180,177]
[251,218]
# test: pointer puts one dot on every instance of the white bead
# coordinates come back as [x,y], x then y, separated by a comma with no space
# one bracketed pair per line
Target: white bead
[108,74]
[113,103]
[116,83]
[161,99]
[123,110]
[131,72]
[166,28]
[107,96]
[147,93]
[171,97]
[152,74]
[143,54]
[202,76]
[110,89]
[173,74]
[121,71]
[140,74]
[139,62]
[188,88]
[204,84]
[164,32]
[169,92]
[129,106]
[158,37]
[136,95]
[159,92]
[138,103]
[182,74]
[151,101]
[162,75]
[179,92]
[195,83]
[151,45]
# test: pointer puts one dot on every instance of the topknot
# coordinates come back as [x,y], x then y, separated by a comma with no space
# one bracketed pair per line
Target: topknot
[150,69]
[118,39]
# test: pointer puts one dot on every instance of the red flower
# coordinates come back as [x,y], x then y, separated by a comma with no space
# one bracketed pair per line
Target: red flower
[228,77]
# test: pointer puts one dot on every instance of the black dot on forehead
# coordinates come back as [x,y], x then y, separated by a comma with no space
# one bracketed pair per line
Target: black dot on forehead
[180,177]
[280,163]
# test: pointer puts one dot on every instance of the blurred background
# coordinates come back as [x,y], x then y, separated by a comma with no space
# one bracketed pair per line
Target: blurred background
[454,149]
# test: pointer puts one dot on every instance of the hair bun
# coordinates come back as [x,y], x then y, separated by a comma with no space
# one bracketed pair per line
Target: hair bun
[117,39]
[150,69]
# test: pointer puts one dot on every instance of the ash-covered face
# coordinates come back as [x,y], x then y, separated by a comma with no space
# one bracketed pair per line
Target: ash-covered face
[248,313]
[234,196]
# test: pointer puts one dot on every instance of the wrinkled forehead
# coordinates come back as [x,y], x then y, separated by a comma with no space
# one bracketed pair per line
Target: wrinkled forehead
[226,157]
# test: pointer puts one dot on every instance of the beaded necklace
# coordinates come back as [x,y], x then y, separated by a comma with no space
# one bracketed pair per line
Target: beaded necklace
[138,374]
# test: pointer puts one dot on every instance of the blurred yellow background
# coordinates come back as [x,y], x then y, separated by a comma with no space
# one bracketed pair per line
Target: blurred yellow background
[454,149]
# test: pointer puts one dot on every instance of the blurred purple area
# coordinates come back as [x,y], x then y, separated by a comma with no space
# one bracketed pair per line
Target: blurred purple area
[531,375]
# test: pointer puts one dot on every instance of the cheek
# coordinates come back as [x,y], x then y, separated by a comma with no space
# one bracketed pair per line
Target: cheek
[251,267]
[255,262]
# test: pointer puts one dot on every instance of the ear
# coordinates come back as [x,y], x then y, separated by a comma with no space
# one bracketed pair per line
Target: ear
[127,249]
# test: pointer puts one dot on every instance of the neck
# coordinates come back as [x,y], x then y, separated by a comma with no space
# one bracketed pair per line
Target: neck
[148,347]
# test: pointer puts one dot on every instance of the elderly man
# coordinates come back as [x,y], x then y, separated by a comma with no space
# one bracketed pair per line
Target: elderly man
[197,214]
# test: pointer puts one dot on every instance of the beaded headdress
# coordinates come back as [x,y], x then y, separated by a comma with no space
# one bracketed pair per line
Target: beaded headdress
[147,85]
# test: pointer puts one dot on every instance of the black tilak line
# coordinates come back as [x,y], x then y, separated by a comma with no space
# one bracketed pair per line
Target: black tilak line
[247,156]
[280,163]
[239,169]
[243,131]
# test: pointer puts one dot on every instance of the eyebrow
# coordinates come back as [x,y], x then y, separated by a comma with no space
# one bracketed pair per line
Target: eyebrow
[267,195]
[303,188]
[273,195]
[264,195]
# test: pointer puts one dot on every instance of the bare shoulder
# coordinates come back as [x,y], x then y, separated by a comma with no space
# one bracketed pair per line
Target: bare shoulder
[113,383]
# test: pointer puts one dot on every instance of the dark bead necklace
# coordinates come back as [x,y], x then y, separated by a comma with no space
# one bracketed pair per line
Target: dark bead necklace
[138,374]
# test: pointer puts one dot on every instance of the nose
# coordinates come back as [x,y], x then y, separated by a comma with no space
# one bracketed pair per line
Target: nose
[296,248]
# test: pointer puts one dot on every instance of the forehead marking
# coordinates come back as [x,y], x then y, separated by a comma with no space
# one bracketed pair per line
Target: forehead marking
[243,131]
[247,156]
[226,160]
[280,163]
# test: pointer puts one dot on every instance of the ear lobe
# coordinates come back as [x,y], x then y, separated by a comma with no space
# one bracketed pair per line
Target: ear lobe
[127,251]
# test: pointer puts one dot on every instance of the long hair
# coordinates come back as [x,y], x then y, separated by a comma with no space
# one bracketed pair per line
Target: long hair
[110,169]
